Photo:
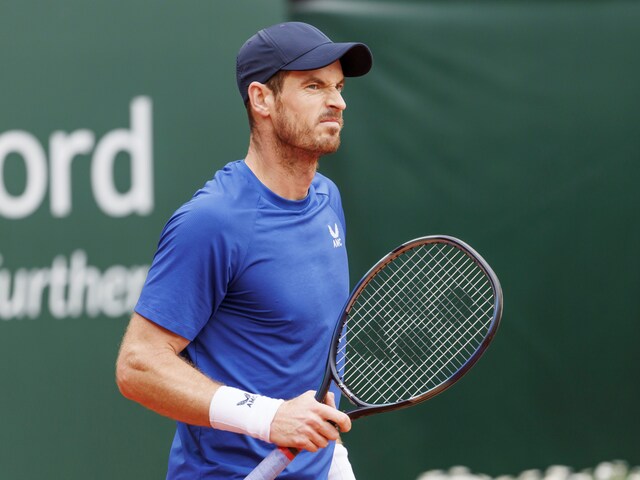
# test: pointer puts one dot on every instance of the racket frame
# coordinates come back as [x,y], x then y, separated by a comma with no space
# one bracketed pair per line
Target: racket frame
[331,373]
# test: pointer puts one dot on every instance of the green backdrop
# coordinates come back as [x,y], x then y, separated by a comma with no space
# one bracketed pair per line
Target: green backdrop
[512,125]
[76,66]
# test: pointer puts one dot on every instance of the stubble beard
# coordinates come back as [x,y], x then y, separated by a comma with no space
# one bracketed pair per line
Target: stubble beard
[299,140]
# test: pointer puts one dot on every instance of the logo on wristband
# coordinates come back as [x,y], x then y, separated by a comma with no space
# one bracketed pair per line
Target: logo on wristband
[248,401]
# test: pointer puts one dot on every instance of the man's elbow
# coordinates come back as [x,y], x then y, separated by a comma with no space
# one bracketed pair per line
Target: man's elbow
[126,374]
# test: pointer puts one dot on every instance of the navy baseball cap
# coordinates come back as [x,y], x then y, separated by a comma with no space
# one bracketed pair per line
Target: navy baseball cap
[295,46]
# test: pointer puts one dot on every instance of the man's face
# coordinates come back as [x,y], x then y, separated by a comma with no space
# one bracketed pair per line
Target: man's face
[308,110]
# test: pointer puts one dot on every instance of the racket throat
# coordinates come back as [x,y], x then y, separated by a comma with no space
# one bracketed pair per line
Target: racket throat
[347,394]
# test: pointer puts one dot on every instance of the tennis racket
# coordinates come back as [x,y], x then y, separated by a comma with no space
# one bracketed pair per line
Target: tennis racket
[412,327]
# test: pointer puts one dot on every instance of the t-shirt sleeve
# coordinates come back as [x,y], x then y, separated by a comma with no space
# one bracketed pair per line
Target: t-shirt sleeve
[189,274]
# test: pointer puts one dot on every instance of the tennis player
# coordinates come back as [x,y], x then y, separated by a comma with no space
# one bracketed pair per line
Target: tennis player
[232,329]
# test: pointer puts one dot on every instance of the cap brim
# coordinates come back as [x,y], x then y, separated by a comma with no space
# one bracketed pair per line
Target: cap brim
[355,58]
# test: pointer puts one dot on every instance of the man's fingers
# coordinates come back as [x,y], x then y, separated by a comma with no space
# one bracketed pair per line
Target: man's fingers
[306,424]
[340,419]
[335,417]
[330,430]
[330,400]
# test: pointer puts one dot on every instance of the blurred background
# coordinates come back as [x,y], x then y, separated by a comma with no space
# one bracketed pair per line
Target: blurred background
[511,124]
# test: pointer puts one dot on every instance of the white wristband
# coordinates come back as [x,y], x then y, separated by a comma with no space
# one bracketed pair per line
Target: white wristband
[235,410]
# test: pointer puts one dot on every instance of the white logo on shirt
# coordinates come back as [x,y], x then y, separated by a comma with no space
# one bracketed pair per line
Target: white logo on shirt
[335,233]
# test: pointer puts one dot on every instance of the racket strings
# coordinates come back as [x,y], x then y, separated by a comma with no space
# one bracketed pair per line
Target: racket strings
[415,324]
[438,330]
[398,312]
[398,364]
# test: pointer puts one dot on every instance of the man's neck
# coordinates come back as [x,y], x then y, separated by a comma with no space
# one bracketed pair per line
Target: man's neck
[286,172]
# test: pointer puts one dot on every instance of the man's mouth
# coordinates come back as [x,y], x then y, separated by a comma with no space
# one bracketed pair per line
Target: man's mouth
[335,120]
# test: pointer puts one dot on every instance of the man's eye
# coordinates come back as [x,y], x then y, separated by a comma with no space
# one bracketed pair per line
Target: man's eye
[313,86]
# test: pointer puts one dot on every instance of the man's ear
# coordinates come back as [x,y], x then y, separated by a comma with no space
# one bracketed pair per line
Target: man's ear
[261,98]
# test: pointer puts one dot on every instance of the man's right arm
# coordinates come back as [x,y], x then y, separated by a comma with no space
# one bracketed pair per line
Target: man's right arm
[150,371]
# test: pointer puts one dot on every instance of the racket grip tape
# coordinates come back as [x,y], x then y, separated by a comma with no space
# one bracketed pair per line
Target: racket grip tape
[272,465]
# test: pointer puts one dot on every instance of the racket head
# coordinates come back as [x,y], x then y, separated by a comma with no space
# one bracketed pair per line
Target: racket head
[419,319]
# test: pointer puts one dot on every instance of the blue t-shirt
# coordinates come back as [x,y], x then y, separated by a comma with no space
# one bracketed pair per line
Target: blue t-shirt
[256,283]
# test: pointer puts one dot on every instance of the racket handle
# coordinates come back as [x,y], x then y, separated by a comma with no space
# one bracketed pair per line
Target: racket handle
[272,465]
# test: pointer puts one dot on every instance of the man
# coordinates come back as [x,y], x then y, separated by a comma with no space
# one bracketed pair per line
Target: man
[245,288]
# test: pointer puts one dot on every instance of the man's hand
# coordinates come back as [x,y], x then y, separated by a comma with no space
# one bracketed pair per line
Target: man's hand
[303,423]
